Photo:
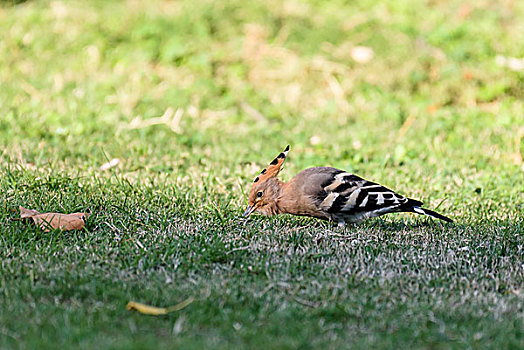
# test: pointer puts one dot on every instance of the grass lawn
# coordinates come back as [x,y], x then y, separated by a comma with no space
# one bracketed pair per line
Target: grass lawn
[193,99]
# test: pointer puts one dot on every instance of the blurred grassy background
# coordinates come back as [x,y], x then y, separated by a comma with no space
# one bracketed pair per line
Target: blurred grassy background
[195,97]
[431,108]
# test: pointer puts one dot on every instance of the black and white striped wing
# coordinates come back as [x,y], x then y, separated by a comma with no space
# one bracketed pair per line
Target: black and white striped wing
[349,194]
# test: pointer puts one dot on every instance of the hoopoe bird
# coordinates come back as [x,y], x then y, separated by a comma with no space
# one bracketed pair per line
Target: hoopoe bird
[327,193]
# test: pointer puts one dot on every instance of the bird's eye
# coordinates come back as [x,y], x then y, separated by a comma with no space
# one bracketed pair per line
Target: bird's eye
[259,194]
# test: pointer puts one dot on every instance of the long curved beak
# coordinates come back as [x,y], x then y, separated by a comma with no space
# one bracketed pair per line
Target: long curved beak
[249,210]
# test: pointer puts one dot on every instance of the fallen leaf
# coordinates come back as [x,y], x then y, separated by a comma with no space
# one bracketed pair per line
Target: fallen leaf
[156,311]
[146,309]
[50,221]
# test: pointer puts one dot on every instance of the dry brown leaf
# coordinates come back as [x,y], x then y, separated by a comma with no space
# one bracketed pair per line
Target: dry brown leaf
[49,221]
[156,311]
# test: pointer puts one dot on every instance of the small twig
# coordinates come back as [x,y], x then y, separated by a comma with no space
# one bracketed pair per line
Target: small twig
[170,118]
[306,303]
[337,91]
[237,249]
[31,90]
[252,112]
[406,125]
[267,289]
[138,243]
[335,235]
[442,201]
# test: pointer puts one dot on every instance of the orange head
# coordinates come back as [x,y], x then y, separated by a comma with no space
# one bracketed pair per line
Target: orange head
[266,188]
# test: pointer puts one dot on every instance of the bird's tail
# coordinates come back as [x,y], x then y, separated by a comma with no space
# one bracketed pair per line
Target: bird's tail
[428,212]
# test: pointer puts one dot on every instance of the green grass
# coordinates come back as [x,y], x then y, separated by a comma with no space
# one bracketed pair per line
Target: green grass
[432,115]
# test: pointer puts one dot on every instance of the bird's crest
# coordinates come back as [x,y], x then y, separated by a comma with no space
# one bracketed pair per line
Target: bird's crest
[265,188]
[273,168]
